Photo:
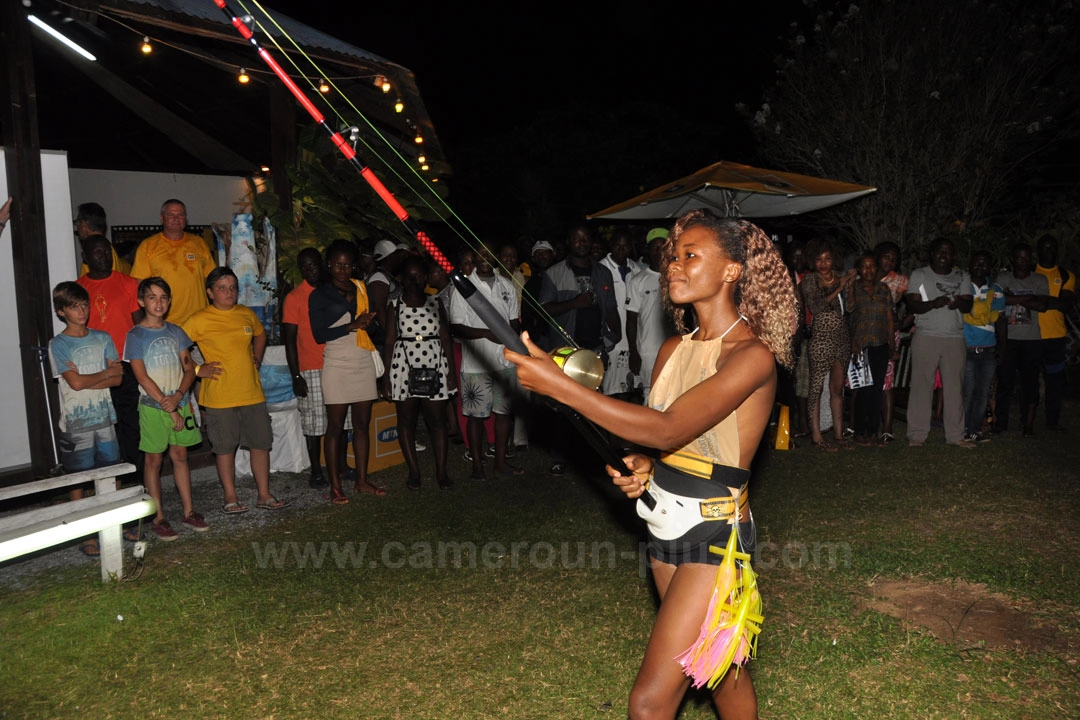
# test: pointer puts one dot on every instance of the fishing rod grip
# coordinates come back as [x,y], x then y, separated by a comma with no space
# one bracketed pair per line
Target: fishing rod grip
[506,335]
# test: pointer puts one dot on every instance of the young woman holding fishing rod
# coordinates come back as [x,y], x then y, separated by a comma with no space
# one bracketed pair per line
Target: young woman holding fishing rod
[712,393]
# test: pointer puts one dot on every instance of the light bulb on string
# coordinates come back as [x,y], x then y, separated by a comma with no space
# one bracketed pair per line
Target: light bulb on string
[422,159]
[146,47]
[243,77]
[425,167]
[399,106]
[324,87]
[386,86]
[419,139]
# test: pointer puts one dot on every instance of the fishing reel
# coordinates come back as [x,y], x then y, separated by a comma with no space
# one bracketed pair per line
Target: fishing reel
[583,366]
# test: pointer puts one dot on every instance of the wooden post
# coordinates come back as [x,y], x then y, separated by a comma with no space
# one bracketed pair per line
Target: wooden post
[29,257]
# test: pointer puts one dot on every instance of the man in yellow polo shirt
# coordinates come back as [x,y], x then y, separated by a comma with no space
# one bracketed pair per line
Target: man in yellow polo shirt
[181,258]
[1052,326]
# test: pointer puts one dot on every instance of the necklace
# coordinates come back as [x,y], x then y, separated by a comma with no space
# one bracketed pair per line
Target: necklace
[731,327]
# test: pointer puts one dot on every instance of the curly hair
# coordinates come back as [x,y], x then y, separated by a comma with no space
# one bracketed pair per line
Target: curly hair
[765,293]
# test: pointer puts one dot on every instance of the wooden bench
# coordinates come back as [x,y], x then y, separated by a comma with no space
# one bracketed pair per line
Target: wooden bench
[104,512]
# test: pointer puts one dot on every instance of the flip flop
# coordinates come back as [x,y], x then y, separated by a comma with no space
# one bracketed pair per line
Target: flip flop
[478,475]
[824,445]
[132,535]
[90,548]
[337,497]
[234,508]
[413,483]
[511,471]
[368,488]
[272,504]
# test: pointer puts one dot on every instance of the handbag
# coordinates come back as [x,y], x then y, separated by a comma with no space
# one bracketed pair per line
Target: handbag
[858,371]
[424,382]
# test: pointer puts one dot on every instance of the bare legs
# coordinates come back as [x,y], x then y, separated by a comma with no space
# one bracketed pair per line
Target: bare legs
[660,684]
[181,477]
[361,418]
[334,447]
[435,417]
[407,412]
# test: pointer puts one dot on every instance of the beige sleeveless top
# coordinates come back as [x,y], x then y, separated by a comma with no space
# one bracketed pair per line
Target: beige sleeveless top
[693,362]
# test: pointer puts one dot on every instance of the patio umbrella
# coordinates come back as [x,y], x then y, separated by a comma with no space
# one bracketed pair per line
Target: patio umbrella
[735,190]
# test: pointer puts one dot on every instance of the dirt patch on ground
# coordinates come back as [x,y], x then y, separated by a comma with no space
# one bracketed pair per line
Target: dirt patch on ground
[968,615]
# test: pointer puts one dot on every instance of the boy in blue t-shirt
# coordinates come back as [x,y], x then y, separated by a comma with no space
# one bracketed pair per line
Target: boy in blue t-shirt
[161,361]
[86,365]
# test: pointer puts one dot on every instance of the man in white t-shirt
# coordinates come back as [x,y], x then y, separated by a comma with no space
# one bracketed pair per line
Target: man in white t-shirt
[488,381]
[646,328]
[938,295]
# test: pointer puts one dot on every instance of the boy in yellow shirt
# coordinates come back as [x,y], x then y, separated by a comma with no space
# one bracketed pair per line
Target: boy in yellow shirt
[232,342]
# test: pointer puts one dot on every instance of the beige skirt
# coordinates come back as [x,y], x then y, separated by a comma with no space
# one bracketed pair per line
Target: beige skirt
[348,374]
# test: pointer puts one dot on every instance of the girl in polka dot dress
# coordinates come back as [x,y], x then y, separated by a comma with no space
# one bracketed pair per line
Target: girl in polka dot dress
[418,335]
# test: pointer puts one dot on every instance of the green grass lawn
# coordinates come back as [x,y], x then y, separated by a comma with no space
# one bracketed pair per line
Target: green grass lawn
[527,598]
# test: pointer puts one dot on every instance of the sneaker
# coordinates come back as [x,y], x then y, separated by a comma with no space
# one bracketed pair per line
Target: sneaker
[490,452]
[318,481]
[887,437]
[849,433]
[977,438]
[195,522]
[420,447]
[163,530]
[557,469]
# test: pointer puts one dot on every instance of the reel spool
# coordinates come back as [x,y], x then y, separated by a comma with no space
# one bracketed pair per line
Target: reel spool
[583,366]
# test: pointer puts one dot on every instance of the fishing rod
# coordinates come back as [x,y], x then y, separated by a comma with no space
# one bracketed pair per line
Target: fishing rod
[487,313]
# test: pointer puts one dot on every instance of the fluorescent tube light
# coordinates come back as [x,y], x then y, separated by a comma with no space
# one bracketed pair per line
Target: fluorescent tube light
[67,41]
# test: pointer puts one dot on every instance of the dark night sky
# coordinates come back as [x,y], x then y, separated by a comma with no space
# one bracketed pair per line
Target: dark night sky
[488,67]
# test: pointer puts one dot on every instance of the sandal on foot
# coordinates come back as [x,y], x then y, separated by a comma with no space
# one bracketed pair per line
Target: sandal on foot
[337,497]
[413,483]
[510,471]
[824,445]
[272,504]
[446,484]
[90,548]
[234,508]
[132,535]
[366,487]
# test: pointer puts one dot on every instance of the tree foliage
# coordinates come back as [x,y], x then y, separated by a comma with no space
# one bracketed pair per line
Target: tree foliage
[937,104]
[330,200]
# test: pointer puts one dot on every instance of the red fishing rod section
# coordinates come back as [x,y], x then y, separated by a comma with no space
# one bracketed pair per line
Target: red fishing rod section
[339,141]
[488,315]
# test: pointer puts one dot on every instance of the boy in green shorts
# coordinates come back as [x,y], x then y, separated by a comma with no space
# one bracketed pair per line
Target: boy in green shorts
[158,352]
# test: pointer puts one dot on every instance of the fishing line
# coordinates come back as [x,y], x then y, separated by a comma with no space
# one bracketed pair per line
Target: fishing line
[475,243]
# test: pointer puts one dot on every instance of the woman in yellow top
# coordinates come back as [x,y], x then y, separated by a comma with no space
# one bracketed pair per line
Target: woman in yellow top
[712,394]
